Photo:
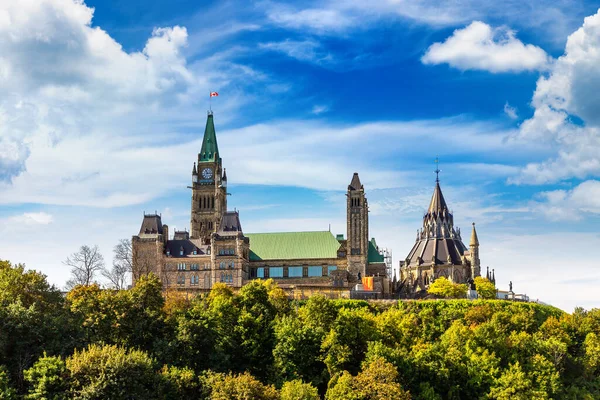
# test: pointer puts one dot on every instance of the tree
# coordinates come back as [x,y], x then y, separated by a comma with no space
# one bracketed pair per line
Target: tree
[6,391]
[48,378]
[444,288]
[84,263]
[377,381]
[298,390]
[180,384]
[112,372]
[485,288]
[122,265]
[237,387]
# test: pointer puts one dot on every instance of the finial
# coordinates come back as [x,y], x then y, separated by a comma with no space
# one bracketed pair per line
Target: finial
[437,170]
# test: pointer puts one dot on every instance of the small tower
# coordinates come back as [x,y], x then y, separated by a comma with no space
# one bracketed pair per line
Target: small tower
[474,251]
[357,227]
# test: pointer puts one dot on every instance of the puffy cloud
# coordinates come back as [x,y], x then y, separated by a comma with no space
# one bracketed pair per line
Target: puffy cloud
[571,204]
[481,47]
[567,114]
[77,110]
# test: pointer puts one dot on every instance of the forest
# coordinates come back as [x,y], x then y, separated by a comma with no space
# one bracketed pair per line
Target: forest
[255,343]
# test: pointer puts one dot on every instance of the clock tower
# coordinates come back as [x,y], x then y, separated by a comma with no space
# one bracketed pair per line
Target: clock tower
[209,187]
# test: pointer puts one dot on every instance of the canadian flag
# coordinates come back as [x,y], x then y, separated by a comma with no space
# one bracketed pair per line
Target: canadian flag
[214,94]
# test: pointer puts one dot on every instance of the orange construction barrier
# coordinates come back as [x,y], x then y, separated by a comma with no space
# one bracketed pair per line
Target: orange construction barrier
[367,282]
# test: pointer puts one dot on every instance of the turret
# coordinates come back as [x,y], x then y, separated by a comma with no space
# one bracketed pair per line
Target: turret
[224,178]
[474,251]
[194,174]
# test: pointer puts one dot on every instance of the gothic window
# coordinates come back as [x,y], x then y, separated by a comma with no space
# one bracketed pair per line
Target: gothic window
[222,277]
[194,267]
[210,225]
[181,252]
[168,252]
[181,267]
[232,265]
[181,279]
[222,265]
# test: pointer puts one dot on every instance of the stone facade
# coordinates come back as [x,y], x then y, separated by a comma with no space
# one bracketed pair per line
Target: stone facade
[217,250]
[439,251]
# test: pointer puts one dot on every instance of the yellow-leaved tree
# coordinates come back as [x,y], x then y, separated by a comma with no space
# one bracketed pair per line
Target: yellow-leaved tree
[444,288]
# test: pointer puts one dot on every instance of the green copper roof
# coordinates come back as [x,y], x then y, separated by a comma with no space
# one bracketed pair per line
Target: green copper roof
[373,255]
[209,143]
[292,245]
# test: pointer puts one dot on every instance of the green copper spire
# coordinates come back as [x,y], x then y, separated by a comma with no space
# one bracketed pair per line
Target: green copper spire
[210,150]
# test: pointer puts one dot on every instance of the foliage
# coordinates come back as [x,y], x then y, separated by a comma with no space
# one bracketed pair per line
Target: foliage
[144,343]
[485,288]
[49,379]
[377,381]
[6,391]
[237,387]
[298,390]
[112,372]
[442,287]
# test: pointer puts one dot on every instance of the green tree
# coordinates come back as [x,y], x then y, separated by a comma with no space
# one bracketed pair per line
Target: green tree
[377,381]
[48,379]
[244,386]
[442,287]
[6,391]
[298,390]
[485,288]
[180,384]
[111,372]
[297,352]
[346,344]
[32,319]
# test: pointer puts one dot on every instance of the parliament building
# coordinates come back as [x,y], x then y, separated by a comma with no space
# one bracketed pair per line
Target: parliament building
[217,250]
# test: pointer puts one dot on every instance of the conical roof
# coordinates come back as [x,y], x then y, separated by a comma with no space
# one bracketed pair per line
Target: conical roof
[474,240]
[355,183]
[210,150]
[437,204]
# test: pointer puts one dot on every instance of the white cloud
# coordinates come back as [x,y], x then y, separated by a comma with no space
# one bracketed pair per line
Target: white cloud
[319,109]
[567,112]
[76,110]
[305,50]
[32,218]
[340,17]
[510,111]
[571,204]
[481,47]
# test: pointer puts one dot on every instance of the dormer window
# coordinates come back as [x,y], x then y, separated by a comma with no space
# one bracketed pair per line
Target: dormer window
[168,252]
[181,251]
[195,252]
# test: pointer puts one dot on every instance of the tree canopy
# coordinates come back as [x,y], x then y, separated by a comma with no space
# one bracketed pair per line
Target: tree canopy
[255,343]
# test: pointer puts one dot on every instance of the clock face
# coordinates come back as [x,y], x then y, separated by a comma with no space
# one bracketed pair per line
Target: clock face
[207,173]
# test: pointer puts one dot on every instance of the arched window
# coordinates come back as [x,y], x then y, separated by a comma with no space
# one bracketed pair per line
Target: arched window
[222,276]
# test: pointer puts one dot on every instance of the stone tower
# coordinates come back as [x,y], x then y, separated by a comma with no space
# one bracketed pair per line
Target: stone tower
[209,187]
[474,253]
[357,227]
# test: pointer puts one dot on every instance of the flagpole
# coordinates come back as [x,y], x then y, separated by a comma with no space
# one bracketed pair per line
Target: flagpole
[210,102]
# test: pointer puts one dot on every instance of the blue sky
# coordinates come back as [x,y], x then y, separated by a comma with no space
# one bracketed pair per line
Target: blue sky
[103,105]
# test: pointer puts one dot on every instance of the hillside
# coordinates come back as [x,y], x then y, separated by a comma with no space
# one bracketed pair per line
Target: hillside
[257,344]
